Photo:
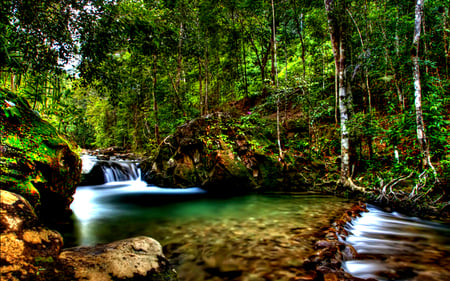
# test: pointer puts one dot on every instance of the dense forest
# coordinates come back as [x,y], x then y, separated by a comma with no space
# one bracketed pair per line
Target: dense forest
[367,80]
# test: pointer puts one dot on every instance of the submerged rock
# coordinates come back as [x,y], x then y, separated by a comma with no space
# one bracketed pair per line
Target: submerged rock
[332,250]
[35,161]
[139,258]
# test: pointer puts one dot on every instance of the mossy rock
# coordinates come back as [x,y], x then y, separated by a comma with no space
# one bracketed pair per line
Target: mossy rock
[35,161]
[215,153]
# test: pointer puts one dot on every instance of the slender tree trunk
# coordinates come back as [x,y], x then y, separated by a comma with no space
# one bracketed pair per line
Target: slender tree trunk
[366,72]
[421,136]
[275,79]
[200,79]
[337,31]
[206,81]
[445,36]
[299,25]
[155,103]
[389,62]
[180,57]
[245,68]
[274,45]
[262,58]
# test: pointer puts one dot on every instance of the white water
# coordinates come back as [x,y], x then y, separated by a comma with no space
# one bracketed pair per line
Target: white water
[94,204]
[396,247]
[113,170]
[120,171]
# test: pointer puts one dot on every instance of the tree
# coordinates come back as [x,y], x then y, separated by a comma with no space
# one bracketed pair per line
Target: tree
[338,34]
[421,136]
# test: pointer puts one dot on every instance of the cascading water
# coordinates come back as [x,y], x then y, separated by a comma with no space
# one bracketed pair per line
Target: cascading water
[120,171]
[106,171]
[392,246]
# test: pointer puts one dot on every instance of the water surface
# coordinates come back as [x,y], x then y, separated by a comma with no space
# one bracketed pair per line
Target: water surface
[397,247]
[251,237]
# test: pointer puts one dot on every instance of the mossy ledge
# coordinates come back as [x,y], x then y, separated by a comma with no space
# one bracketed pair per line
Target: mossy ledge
[35,161]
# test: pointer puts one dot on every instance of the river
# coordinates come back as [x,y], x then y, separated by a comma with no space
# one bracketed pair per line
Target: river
[206,237]
[255,236]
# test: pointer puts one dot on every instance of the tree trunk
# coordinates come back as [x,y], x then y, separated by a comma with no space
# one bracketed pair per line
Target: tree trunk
[261,59]
[299,25]
[275,79]
[245,69]
[200,85]
[337,31]
[155,103]
[421,136]
[274,50]
[445,36]
[206,82]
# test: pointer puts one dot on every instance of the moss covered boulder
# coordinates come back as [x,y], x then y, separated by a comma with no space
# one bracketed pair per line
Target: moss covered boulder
[35,161]
[215,152]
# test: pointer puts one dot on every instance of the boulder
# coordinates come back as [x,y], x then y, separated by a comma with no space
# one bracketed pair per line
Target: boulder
[25,244]
[30,251]
[213,153]
[35,161]
[139,258]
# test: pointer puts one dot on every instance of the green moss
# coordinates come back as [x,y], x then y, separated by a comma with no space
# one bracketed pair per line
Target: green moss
[33,157]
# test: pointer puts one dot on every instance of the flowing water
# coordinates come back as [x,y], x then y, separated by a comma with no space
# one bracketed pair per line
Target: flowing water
[392,246]
[251,237]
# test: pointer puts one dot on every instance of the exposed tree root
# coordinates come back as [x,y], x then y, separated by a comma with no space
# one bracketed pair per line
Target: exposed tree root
[384,187]
[421,183]
[349,183]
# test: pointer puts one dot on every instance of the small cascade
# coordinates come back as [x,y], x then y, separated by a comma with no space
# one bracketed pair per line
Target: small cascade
[97,172]
[115,171]
[392,246]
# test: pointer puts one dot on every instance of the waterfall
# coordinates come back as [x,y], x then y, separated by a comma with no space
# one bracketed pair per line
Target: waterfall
[95,171]
[114,171]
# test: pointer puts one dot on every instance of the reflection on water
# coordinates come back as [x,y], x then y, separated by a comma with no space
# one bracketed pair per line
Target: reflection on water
[251,237]
[117,210]
[397,247]
[256,237]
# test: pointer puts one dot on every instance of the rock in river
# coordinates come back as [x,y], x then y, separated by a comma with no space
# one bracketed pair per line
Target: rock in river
[213,153]
[25,244]
[30,251]
[138,258]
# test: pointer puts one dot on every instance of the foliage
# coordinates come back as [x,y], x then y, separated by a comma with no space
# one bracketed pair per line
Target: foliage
[146,67]
[34,159]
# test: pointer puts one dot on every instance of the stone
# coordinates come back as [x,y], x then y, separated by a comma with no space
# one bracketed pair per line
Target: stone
[23,240]
[139,258]
[30,251]
[330,277]
[35,161]
[210,152]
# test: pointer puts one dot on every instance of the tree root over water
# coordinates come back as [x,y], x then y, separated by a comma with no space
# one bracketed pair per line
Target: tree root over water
[424,200]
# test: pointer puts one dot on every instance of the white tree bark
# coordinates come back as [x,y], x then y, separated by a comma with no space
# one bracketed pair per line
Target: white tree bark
[339,56]
[421,136]
[276,81]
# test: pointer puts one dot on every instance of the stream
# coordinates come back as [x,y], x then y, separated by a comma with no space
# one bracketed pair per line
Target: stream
[206,237]
[255,236]
[392,246]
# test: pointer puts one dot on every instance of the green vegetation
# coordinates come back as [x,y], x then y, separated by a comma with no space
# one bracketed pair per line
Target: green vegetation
[146,67]
[34,159]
